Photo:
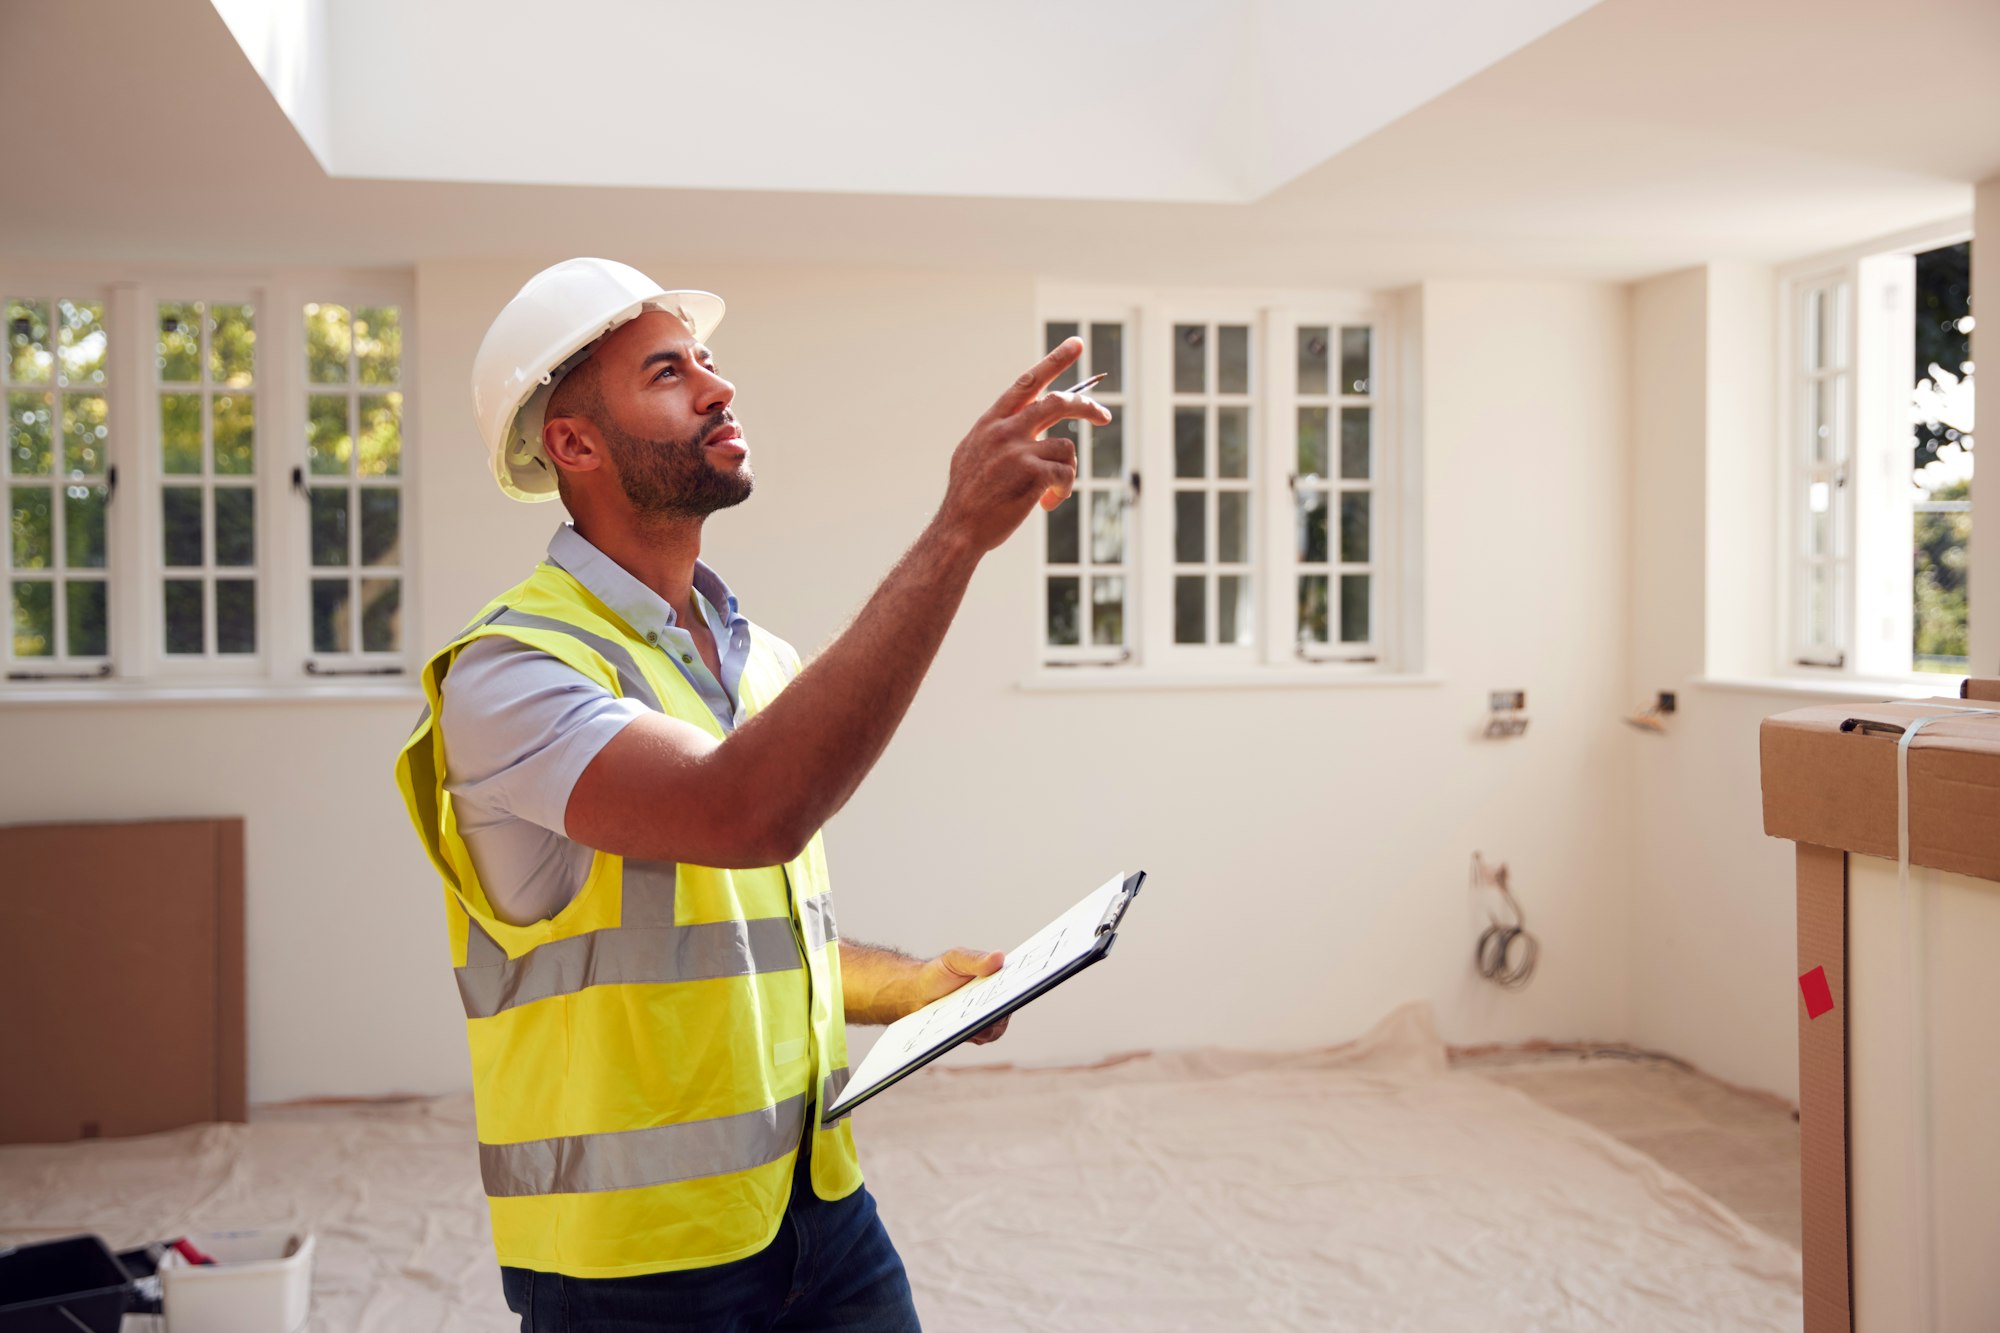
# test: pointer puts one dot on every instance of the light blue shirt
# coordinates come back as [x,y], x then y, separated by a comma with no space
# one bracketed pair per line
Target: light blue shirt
[520,726]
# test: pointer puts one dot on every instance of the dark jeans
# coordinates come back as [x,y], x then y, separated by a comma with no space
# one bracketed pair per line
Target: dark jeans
[832,1269]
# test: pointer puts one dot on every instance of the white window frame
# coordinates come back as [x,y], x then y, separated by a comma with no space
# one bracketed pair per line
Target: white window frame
[1275,655]
[61,664]
[284,664]
[1868,472]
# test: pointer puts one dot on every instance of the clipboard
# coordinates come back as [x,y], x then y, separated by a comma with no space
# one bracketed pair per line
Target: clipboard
[1066,946]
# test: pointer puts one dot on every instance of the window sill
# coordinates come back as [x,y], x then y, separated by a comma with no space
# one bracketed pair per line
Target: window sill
[28,694]
[1086,680]
[1842,688]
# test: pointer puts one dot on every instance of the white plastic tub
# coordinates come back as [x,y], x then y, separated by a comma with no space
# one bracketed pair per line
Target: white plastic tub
[260,1282]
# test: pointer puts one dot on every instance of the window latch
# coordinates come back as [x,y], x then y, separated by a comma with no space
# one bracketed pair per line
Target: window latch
[1135,485]
[315,669]
[98,673]
[299,482]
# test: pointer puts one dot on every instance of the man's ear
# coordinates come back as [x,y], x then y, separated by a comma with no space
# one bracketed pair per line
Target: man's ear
[573,445]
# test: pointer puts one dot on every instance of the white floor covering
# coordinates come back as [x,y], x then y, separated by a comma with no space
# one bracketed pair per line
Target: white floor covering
[1365,1188]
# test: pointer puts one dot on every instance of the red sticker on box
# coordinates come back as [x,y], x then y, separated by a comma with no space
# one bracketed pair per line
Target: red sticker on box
[1819,996]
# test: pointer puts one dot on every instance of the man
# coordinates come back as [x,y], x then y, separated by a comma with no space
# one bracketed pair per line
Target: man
[621,781]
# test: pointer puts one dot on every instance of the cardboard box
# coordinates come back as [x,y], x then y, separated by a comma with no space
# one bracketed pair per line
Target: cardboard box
[1830,780]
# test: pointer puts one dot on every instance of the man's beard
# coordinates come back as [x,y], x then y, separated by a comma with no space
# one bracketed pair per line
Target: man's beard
[674,477]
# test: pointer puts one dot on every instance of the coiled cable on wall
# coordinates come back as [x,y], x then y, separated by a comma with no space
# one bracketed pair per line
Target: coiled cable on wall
[1506,953]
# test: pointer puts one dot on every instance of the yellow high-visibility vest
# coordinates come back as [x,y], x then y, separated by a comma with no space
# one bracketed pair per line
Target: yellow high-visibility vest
[645,1063]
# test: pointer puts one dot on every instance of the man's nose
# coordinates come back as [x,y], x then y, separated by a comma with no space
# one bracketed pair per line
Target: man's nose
[716,394]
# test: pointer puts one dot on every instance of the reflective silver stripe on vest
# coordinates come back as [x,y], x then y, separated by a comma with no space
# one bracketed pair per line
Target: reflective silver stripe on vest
[627,956]
[637,1158]
[835,1084]
[816,921]
[647,950]
[630,678]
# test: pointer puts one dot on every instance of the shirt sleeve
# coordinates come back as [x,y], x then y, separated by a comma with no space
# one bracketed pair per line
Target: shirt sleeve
[520,726]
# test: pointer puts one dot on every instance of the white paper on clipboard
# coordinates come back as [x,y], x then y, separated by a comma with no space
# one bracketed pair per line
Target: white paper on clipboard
[1063,947]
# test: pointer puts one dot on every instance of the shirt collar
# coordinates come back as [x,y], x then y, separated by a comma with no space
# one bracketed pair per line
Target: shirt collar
[629,599]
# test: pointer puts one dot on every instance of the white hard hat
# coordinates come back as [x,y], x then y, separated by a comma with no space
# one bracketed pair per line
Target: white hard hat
[533,341]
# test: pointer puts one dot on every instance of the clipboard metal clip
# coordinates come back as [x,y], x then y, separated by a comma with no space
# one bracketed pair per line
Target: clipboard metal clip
[1115,913]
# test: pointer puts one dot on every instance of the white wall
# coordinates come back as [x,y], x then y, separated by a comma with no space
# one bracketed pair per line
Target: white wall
[1308,847]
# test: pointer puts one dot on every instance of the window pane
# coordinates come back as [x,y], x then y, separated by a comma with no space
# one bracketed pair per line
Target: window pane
[85,434]
[1820,311]
[1064,543]
[328,445]
[1190,365]
[83,526]
[81,341]
[232,342]
[177,350]
[30,418]
[1312,608]
[378,344]
[328,525]
[235,615]
[1107,527]
[1354,626]
[235,526]
[29,360]
[1312,505]
[1232,609]
[381,527]
[180,526]
[89,621]
[1312,442]
[1232,358]
[184,604]
[1107,610]
[234,425]
[1819,617]
[381,603]
[1190,533]
[180,434]
[1824,406]
[1354,370]
[1063,596]
[1190,442]
[332,630]
[1232,442]
[1190,609]
[329,338]
[1107,356]
[1312,359]
[34,619]
[1107,445]
[381,434]
[1056,335]
[31,524]
[1819,499]
[1354,528]
[1354,437]
[1232,527]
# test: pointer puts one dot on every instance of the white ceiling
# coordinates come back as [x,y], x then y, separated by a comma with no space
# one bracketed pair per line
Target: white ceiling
[1213,101]
[1641,136]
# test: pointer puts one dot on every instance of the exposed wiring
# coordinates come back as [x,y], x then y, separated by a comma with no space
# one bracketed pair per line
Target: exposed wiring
[1506,952]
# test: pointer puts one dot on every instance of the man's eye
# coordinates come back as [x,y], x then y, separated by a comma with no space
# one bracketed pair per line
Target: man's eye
[664,372]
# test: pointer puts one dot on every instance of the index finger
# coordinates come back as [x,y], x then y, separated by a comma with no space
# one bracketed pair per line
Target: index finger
[1029,385]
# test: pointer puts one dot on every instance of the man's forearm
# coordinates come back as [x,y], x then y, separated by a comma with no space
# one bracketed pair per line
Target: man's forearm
[806,753]
[877,983]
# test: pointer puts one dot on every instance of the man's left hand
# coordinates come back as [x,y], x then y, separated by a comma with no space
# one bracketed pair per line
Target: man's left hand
[954,968]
